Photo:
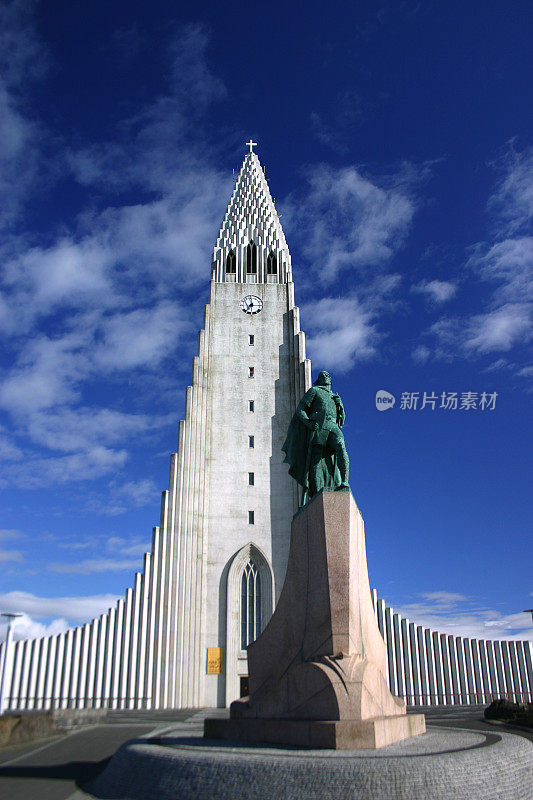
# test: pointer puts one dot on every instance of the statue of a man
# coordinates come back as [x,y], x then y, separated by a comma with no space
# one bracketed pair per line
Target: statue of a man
[314,446]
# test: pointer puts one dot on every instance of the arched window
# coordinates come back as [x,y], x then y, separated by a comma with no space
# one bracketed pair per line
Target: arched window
[250,604]
[272,264]
[251,258]
[231,262]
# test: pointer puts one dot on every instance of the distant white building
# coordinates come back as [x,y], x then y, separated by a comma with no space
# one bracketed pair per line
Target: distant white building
[218,557]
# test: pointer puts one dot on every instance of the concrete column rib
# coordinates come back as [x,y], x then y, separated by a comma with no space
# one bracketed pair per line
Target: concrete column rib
[98,686]
[108,659]
[83,653]
[407,661]
[58,669]
[400,673]
[50,672]
[142,655]
[151,630]
[391,651]
[117,653]
[515,673]
[91,665]
[499,669]
[415,664]
[507,670]
[133,644]
[32,675]
[494,685]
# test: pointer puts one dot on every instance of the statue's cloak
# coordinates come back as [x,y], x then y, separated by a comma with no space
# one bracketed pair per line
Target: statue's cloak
[296,447]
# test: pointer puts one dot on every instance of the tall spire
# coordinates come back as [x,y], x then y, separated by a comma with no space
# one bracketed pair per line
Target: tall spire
[251,219]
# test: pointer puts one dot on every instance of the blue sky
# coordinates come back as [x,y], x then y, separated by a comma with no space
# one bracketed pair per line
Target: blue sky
[396,138]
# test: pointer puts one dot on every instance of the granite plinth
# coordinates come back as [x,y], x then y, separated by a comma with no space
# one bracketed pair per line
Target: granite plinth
[368,734]
[321,657]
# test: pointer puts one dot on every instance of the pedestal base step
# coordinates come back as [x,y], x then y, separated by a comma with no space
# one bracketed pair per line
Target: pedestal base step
[332,735]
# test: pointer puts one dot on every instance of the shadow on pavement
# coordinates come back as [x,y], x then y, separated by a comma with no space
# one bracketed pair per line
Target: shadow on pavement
[80,772]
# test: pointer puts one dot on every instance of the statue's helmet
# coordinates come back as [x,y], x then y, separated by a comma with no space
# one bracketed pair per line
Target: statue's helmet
[323,379]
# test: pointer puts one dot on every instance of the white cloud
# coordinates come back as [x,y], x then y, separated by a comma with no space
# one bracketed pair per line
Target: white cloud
[421,354]
[47,373]
[347,221]
[505,266]
[95,565]
[444,599]
[124,547]
[7,534]
[500,329]
[133,494]
[70,430]
[27,628]
[143,337]
[64,610]
[497,330]
[343,330]
[509,264]
[449,612]
[114,554]
[108,294]
[512,199]
[35,472]
[436,291]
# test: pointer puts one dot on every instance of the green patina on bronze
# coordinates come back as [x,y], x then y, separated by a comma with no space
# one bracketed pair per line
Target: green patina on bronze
[314,447]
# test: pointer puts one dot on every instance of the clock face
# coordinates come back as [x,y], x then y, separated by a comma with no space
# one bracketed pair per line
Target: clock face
[251,304]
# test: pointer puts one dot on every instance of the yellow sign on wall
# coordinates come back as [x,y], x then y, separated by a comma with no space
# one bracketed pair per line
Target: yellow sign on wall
[214,661]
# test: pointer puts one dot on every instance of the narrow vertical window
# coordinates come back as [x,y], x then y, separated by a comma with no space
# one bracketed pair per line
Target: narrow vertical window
[251,258]
[251,479]
[251,441]
[251,406]
[231,263]
[272,264]
[251,340]
[250,518]
[250,372]
[251,622]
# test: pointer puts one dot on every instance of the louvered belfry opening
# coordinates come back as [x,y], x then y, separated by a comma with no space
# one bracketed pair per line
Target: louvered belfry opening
[231,263]
[251,258]
[272,264]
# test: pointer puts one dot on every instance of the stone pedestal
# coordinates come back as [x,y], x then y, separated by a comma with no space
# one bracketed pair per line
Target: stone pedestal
[317,673]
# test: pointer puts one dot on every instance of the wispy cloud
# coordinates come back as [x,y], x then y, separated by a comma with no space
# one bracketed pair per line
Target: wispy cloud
[497,330]
[22,60]
[436,291]
[115,554]
[504,266]
[450,612]
[107,295]
[8,554]
[343,330]
[346,220]
[511,202]
[94,565]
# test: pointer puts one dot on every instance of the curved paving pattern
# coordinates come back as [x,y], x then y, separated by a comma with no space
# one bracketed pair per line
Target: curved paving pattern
[441,764]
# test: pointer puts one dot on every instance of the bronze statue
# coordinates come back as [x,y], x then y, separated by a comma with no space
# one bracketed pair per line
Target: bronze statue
[314,446]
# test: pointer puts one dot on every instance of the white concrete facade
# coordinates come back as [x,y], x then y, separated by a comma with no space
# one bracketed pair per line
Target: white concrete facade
[151,650]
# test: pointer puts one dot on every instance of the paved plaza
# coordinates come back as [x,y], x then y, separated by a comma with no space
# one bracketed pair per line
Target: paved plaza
[59,769]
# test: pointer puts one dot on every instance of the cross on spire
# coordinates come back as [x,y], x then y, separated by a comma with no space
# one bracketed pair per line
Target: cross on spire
[251,145]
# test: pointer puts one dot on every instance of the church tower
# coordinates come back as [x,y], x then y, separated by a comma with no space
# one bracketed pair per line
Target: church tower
[225,523]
